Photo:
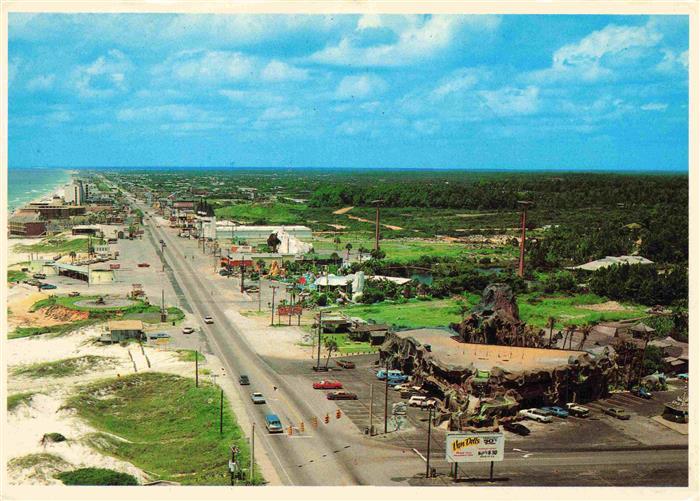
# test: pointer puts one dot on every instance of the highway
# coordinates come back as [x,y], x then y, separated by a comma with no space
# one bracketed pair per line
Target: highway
[238,357]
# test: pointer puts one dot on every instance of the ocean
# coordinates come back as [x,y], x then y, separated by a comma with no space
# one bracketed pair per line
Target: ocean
[25,185]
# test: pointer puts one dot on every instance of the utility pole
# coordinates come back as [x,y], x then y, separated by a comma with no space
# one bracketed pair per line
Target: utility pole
[371,401]
[427,454]
[252,453]
[221,413]
[163,313]
[242,274]
[376,204]
[523,219]
[386,396]
[260,294]
[320,329]
[272,317]
[196,369]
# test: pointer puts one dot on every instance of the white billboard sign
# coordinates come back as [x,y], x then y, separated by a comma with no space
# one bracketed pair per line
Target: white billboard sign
[463,447]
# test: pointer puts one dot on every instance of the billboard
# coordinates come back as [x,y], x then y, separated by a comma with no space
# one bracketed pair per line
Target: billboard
[463,447]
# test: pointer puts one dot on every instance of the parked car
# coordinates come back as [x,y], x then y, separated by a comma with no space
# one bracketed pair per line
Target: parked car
[273,423]
[143,265]
[208,320]
[243,380]
[556,411]
[257,398]
[616,412]
[39,276]
[517,428]
[578,410]
[421,401]
[187,330]
[224,272]
[382,373]
[341,395]
[402,387]
[159,335]
[345,364]
[73,294]
[397,379]
[641,392]
[326,384]
[683,376]
[536,415]
[48,286]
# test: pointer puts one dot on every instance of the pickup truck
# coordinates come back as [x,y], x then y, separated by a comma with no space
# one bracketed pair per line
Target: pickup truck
[578,410]
[421,401]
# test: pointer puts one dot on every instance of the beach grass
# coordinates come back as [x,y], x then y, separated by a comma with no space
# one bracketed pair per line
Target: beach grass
[95,476]
[164,425]
[65,367]
[24,398]
[58,245]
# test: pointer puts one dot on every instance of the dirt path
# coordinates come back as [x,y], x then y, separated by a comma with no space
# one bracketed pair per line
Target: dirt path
[343,210]
[396,228]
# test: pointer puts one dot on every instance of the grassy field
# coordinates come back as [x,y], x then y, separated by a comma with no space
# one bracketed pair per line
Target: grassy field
[534,310]
[65,367]
[189,356]
[56,330]
[272,213]
[44,459]
[14,276]
[137,311]
[171,428]
[14,401]
[58,245]
[345,345]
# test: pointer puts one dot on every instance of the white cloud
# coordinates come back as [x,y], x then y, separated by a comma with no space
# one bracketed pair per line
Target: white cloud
[586,59]
[511,101]
[281,113]
[428,127]
[41,82]
[460,80]
[278,71]
[207,66]
[672,61]
[353,127]
[251,97]
[105,77]
[168,113]
[654,107]
[417,39]
[360,86]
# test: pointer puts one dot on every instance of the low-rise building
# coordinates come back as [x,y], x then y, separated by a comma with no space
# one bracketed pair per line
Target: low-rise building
[27,225]
[121,330]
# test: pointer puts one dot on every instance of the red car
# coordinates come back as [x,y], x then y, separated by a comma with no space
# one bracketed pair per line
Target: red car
[341,395]
[328,385]
[143,265]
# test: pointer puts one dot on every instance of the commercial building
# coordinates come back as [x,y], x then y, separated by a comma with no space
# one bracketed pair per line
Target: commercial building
[121,330]
[27,225]
[74,193]
[258,234]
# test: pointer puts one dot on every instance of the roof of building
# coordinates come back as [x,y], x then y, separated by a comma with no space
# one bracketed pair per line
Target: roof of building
[242,227]
[608,261]
[451,352]
[396,280]
[331,280]
[125,325]
[71,267]
[32,217]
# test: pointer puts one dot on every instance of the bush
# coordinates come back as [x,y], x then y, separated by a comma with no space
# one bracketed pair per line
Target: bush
[96,476]
[322,300]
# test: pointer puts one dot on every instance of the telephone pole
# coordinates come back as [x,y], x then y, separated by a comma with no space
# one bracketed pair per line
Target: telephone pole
[272,309]
[371,402]
[427,454]
[320,329]
[386,396]
[242,274]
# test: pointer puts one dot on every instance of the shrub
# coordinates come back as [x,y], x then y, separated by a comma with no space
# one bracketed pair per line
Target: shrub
[96,476]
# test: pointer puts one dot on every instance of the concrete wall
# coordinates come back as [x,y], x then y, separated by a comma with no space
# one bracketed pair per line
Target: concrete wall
[102,276]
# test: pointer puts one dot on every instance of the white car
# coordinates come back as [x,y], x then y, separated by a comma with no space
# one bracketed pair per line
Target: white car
[421,401]
[208,320]
[257,398]
[187,330]
[536,415]
[402,386]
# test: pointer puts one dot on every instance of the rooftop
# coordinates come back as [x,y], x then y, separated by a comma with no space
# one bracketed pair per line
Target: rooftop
[125,325]
[453,353]
[608,261]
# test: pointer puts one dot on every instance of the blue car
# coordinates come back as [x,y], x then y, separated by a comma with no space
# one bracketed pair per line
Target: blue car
[393,374]
[556,411]
[641,393]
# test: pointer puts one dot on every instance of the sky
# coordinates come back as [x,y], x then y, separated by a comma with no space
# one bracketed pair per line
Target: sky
[586,92]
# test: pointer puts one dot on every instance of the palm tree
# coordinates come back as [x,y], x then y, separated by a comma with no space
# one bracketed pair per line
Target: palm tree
[72,256]
[348,246]
[571,329]
[331,345]
[336,241]
[550,324]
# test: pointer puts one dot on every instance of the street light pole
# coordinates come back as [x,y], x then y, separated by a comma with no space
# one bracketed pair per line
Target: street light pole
[320,329]
[427,454]
[371,402]
[386,395]
[272,308]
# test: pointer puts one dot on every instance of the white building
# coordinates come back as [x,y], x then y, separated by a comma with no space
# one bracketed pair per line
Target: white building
[259,234]
[74,193]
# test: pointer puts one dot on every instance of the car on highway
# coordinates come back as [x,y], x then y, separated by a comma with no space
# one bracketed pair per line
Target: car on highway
[257,398]
[273,423]
[74,294]
[578,410]
[187,330]
[421,401]
[345,364]
[208,320]
[641,392]
[536,415]
[341,395]
[243,380]
[39,276]
[327,384]
[158,335]
[382,373]
[517,428]
[616,412]
[143,265]
[48,286]
[556,411]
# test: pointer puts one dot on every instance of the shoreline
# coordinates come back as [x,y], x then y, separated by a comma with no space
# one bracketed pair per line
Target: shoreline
[46,195]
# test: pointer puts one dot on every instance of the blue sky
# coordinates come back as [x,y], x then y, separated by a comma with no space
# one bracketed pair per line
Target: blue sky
[480,92]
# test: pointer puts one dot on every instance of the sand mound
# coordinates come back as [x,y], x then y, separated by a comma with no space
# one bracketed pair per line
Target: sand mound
[58,312]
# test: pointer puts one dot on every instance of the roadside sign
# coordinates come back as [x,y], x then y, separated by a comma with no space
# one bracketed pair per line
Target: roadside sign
[463,447]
